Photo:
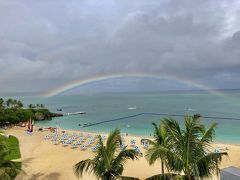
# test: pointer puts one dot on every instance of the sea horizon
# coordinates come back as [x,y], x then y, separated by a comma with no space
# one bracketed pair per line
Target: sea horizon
[134,112]
[40,93]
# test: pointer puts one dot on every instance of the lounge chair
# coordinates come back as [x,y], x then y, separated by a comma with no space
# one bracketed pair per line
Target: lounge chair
[73,146]
[94,149]
[133,142]
[55,142]
[82,147]
[64,143]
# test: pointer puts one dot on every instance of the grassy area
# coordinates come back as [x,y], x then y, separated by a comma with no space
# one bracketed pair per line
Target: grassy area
[13,146]
[14,152]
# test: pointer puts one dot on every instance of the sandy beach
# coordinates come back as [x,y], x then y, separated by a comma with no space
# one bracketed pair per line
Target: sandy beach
[43,160]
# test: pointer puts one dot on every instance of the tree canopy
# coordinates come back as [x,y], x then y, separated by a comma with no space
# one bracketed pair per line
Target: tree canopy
[12,111]
[187,149]
[108,162]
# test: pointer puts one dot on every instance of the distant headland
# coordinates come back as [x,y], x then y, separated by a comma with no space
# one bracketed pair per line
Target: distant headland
[12,111]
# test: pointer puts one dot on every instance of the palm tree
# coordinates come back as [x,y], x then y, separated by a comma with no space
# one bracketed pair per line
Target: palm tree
[15,104]
[188,149]
[9,102]
[8,168]
[1,103]
[19,104]
[159,142]
[38,106]
[42,106]
[109,159]
[31,106]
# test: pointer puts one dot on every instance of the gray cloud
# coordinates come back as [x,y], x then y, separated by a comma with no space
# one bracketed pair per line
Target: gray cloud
[44,44]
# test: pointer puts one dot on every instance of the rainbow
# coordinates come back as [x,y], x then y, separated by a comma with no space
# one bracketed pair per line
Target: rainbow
[93,79]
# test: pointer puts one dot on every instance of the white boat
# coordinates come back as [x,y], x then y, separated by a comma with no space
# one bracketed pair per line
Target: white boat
[75,113]
[132,108]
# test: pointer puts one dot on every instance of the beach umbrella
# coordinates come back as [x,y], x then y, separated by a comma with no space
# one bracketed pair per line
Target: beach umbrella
[29,124]
[32,123]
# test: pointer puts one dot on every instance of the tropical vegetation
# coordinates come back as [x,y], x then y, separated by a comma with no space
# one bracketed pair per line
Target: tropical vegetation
[184,150]
[9,150]
[12,111]
[108,162]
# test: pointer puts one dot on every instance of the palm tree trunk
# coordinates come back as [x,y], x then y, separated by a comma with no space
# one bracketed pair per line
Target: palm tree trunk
[162,163]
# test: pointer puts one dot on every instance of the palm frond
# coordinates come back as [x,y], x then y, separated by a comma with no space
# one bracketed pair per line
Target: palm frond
[165,176]
[128,178]
[107,162]
[113,142]
[151,142]
[85,165]
[209,163]
[173,127]
[8,168]
[101,149]
[4,174]
[184,148]
[174,162]
[157,133]
[208,135]
[124,155]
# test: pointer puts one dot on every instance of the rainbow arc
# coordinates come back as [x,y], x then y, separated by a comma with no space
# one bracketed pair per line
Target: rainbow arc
[98,78]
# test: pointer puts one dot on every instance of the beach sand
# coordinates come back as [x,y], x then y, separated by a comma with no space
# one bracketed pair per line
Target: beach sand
[41,159]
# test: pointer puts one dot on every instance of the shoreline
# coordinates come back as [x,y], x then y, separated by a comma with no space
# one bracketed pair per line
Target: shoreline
[42,159]
[132,135]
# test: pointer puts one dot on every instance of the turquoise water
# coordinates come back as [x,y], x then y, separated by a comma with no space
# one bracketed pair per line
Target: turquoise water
[101,107]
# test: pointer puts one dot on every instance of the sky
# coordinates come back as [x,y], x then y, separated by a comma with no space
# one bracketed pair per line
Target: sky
[49,43]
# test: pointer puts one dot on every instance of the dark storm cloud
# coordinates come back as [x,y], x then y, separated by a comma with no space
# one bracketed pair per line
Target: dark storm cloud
[44,44]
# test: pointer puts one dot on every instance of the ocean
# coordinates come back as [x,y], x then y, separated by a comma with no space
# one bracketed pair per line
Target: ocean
[133,113]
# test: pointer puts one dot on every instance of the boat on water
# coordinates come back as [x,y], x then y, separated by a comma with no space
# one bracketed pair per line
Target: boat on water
[87,124]
[76,113]
[132,108]
[59,109]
